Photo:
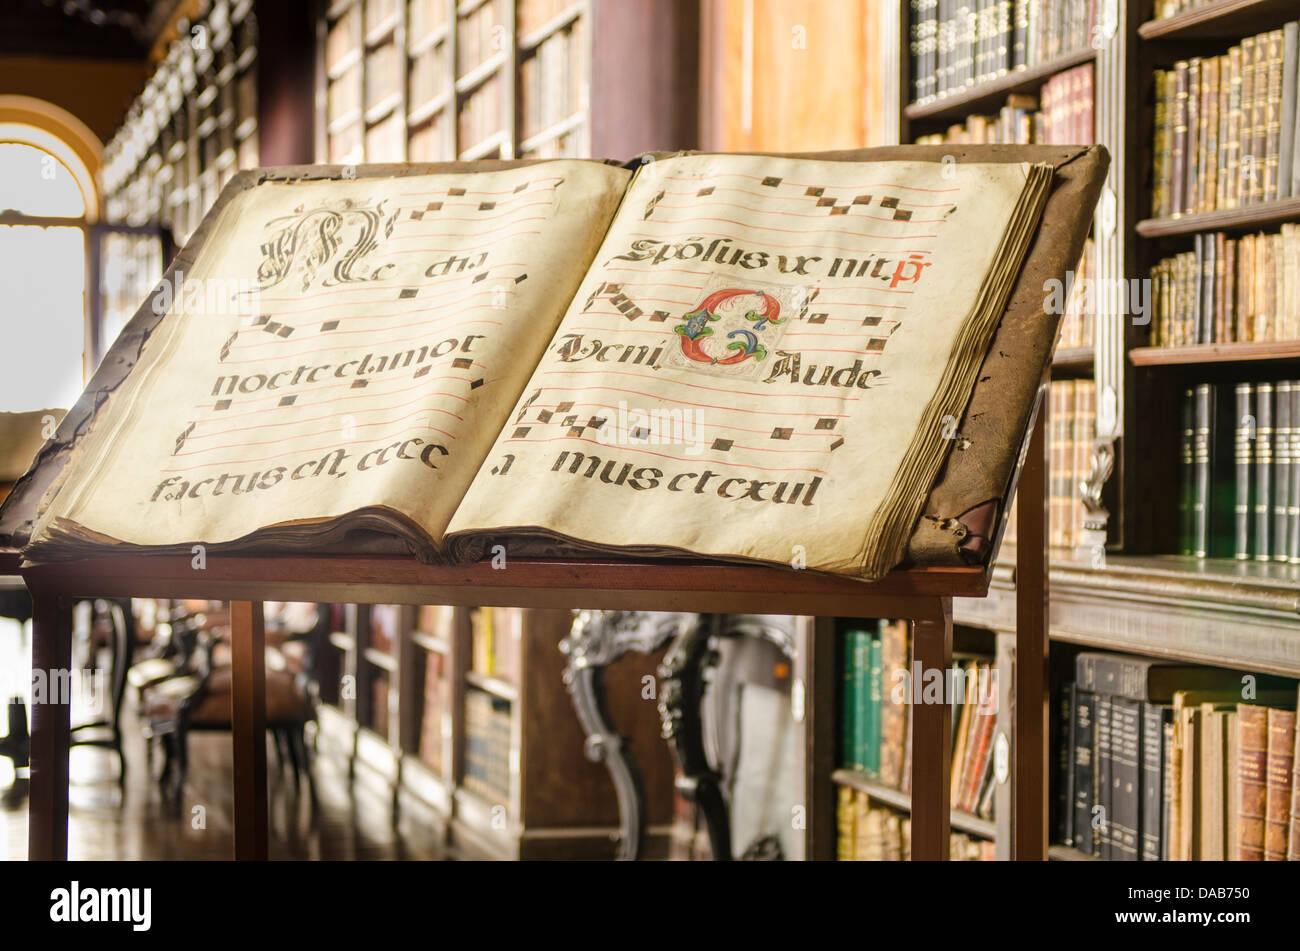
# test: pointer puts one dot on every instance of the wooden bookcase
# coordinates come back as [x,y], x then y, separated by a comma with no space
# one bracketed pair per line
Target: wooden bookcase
[1135,597]
[408,690]
[440,80]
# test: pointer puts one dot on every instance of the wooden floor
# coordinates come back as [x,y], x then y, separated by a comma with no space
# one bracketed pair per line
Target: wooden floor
[346,819]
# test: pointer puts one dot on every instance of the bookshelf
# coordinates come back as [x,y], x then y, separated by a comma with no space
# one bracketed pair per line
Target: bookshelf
[440,80]
[459,716]
[1136,597]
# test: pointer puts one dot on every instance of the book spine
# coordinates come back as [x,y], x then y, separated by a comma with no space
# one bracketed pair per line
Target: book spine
[1084,746]
[1020,36]
[1293,832]
[861,717]
[1178,163]
[1126,759]
[1101,784]
[875,677]
[1259,119]
[1201,461]
[1263,500]
[1279,765]
[1282,424]
[1187,474]
[1252,781]
[1287,127]
[1246,159]
[848,701]
[1154,717]
[1242,457]
[1066,711]
[1232,133]
[1293,501]
[1167,797]
[1195,140]
[1272,112]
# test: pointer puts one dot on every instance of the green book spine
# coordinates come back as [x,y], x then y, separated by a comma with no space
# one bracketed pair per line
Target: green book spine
[849,700]
[874,689]
[861,660]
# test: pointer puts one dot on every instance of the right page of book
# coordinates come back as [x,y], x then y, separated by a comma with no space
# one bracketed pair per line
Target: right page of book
[767,356]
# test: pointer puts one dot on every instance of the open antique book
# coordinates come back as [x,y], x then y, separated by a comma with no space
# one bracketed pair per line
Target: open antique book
[732,356]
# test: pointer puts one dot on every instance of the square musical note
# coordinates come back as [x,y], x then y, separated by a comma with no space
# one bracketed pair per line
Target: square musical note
[462,363]
[521,431]
[770,181]
[288,400]
[222,405]
[782,432]
[826,422]
[722,445]
[329,325]
[407,293]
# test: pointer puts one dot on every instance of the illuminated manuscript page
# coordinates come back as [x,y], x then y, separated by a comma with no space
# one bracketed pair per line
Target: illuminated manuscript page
[745,364]
[354,343]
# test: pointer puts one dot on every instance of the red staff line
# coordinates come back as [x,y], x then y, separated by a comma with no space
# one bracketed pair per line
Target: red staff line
[669,399]
[436,215]
[766,243]
[759,178]
[335,386]
[312,419]
[386,299]
[795,214]
[739,429]
[240,462]
[666,455]
[319,432]
[699,386]
[460,250]
[339,333]
[742,224]
[504,191]
[804,198]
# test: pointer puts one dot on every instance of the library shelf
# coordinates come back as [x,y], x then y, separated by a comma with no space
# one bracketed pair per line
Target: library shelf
[1073,362]
[501,689]
[902,801]
[1245,218]
[1242,615]
[1066,853]
[1246,352]
[992,94]
[1226,19]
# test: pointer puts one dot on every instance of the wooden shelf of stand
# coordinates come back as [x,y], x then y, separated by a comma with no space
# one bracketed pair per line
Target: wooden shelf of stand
[1066,853]
[1247,218]
[902,801]
[501,689]
[992,94]
[1247,352]
[1073,362]
[1225,20]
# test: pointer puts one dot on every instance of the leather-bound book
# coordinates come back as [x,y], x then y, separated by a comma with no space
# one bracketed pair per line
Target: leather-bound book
[1262,502]
[1272,112]
[1280,762]
[1293,833]
[1282,423]
[1242,444]
[1178,145]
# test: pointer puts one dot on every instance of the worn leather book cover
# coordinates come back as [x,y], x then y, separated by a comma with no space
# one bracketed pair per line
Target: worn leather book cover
[1279,766]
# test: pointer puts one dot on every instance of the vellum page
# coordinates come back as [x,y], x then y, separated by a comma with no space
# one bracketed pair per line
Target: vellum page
[355,344]
[745,366]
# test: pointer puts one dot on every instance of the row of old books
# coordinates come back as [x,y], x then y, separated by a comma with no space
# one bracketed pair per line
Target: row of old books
[487,746]
[1228,289]
[1063,115]
[1240,485]
[551,81]
[1225,127]
[481,115]
[480,35]
[532,15]
[1162,761]
[435,621]
[876,694]
[1071,425]
[869,832]
[495,638]
[190,129]
[955,44]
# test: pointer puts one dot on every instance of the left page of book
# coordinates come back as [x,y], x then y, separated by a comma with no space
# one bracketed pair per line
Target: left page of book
[339,346]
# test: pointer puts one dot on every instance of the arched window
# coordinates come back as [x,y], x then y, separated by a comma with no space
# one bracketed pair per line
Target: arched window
[47,200]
